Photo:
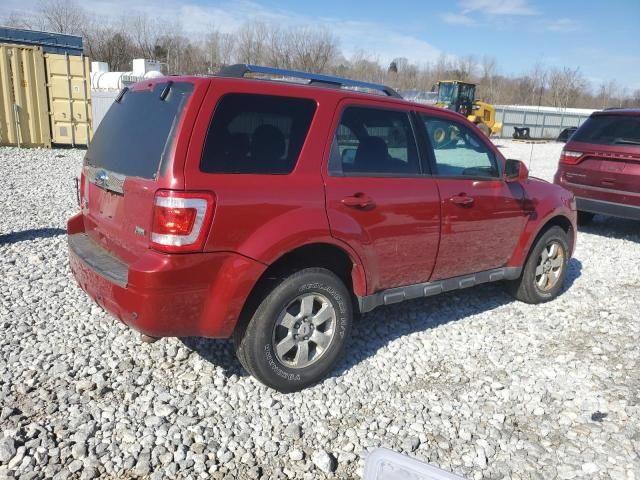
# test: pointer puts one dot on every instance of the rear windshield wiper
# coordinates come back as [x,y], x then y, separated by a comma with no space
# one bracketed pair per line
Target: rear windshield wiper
[121,94]
[626,141]
[166,90]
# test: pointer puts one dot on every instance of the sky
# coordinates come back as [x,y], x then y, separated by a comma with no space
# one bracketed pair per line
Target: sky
[598,37]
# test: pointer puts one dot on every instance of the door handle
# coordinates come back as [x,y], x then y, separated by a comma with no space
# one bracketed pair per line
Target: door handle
[358,200]
[462,199]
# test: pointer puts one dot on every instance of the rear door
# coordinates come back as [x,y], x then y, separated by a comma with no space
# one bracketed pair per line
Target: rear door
[377,199]
[482,215]
[130,157]
[610,161]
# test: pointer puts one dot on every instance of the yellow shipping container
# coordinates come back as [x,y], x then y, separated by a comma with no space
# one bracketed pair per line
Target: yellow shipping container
[69,84]
[44,97]
[24,114]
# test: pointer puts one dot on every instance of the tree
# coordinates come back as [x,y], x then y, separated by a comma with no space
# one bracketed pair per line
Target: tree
[464,68]
[565,86]
[252,42]
[311,49]
[489,81]
[118,41]
[606,93]
[117,52]
[401,63]
[144,34]
[62,16]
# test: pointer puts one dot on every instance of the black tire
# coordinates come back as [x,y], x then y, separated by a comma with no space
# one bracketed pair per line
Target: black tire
[255,340]
[585,218]
[526,288]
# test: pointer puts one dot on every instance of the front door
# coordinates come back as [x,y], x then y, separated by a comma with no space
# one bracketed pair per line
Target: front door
[482,215]
[377,199]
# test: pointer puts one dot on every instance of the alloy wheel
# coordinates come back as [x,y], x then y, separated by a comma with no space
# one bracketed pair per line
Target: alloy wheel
[550,266]
[304,330]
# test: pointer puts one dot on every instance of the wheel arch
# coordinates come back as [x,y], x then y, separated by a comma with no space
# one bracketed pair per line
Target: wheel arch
[558,220]
[335,258]
[561,221]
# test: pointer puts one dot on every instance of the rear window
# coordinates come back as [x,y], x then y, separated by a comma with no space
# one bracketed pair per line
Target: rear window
[610,130]
[136,135]
[256,134]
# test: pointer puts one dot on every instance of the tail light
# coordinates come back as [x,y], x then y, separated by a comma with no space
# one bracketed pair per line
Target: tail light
[181,220]
[570,158]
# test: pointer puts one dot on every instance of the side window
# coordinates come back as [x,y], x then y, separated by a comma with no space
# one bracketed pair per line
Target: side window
[458,151]
[374,141]
[256,134]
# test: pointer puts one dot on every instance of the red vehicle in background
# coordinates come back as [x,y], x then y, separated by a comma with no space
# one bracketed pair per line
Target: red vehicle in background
[272,211]
[600,164]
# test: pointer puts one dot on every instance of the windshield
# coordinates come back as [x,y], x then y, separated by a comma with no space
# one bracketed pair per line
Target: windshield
[447,92]
[623,130]
[136,133]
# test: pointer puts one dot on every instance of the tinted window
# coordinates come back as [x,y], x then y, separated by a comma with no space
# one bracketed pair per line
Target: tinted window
[374,141]
[256,134]
[609,130]
[458,151]
[137,133]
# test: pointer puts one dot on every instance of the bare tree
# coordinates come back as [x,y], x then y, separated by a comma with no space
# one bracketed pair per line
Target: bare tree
[464,67]
[279,48]
[62,16]
[607,93]
[401,64]
[218,49]
[535,84]
[364,67]
[16,20]
[252,42]
[565,86]
[489,80]
[312,49]
[144,33]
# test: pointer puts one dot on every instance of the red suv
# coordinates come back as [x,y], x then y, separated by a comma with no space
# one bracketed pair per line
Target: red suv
[601,165]
[274,211]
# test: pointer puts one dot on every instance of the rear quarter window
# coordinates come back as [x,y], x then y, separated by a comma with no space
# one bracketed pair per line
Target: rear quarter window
[252,133]
[610,130]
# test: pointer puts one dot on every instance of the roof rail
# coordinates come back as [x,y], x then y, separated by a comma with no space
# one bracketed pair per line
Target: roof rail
[240,70]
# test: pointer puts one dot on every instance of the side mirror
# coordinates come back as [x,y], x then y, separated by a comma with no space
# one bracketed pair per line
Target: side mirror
[515,171]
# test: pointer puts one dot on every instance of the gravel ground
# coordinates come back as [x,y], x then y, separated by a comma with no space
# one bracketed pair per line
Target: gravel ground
[471,381]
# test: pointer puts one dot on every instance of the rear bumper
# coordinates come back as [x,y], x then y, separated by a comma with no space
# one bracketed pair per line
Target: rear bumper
[608,208]
[160,295]
[604,201]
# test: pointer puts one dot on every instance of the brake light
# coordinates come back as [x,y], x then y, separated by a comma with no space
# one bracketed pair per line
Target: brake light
[181,220]
[570,158]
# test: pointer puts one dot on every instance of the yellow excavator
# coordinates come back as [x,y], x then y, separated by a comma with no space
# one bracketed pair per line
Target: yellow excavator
[461,97]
